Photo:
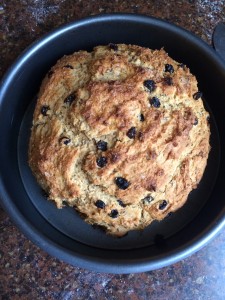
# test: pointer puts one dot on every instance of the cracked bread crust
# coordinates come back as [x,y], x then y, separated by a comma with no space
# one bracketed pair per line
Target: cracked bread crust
[121,134]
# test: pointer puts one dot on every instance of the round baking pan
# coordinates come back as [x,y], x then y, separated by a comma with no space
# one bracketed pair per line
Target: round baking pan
[62,233]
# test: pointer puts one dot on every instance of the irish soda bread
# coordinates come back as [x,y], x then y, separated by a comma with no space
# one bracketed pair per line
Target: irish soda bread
[120,134]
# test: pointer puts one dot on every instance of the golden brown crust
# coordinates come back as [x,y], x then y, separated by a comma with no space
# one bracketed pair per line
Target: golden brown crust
[157,135]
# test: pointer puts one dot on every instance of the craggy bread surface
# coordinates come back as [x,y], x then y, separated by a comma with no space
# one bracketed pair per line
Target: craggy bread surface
[121,134]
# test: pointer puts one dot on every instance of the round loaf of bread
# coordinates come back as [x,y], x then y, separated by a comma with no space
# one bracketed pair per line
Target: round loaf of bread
[120,134]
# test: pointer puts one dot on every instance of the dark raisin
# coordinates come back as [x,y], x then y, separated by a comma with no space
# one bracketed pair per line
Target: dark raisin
[122,183]
[101,145]
[195,122]
[142,118]
[163,205]
[121,203]
[169,214]
[113,47]
[148,199]
[44,110]
[154,101]
[169,68]
[197,95]
[208,119]
[114,213]
[168,81]
[64,140]
[101,161]
[100,204]
[68,66]
[69,99]
[131,132]
[150,85]
[181,65]
[67,141]
[50,73]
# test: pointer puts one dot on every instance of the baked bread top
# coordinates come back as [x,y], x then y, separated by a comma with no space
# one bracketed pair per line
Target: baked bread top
[121,134]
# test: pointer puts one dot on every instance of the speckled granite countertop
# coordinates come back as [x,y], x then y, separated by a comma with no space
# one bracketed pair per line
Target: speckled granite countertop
[26,272]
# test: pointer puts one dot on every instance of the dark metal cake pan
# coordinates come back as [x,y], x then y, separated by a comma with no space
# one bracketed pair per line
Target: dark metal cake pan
[62,233]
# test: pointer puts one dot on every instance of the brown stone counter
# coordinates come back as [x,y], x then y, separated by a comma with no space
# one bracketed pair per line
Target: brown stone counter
[26,272]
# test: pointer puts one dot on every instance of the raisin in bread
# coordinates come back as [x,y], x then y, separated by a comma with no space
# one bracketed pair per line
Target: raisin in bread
[120,134]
